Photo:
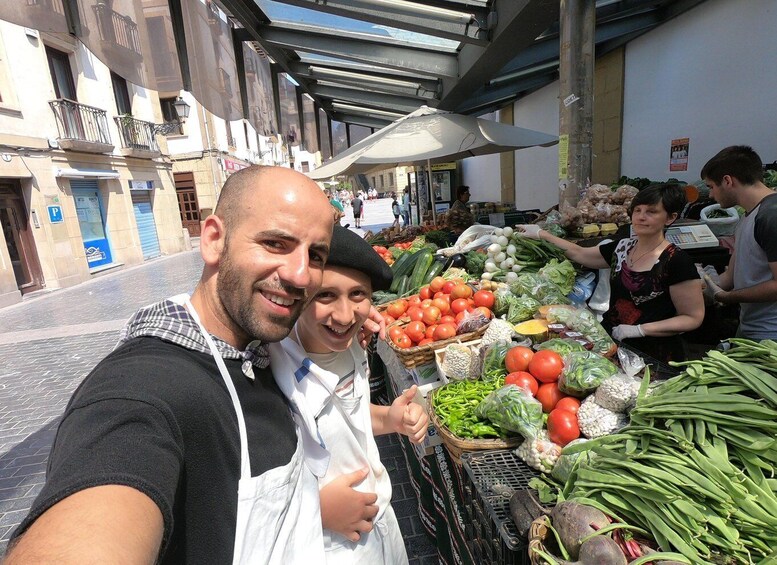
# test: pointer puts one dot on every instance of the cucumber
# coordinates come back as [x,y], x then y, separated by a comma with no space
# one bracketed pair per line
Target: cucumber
[422,265]
[404,283]
[402,267]
[437,268]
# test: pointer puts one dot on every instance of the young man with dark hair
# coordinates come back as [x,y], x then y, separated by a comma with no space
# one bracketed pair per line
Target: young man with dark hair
[735,178]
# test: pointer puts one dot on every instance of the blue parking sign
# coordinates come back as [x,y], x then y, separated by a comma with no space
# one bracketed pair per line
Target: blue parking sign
[55,214]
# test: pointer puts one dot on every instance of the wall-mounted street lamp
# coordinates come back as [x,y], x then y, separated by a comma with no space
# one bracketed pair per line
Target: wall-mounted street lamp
[181,110]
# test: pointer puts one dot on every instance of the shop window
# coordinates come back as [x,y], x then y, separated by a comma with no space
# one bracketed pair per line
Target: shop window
[61,74]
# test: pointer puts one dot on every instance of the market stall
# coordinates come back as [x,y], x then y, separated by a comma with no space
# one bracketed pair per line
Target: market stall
[540,419]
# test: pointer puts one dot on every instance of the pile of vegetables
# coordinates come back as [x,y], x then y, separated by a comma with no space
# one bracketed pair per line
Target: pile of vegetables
[510,253]
[695,466]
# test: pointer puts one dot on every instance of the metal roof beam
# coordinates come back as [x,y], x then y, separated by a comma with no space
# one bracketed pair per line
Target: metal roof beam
[488,100]
[428,98]
[397,103]
[520,22]
[360,120]
[367,70]
[464,24]
[384,54]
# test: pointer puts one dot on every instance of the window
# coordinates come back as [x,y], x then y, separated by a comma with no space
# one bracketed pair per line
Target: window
[61,74]
[391,179]
[382,184]
[373,182]
[230,136]
[169,114]
[121,94]
[8,100]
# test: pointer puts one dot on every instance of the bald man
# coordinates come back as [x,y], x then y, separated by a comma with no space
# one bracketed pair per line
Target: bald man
[179,447]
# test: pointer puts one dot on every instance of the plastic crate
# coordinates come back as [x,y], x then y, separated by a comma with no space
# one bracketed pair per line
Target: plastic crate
[490,479]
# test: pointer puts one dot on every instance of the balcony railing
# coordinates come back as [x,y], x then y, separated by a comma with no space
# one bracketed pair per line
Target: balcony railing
[136,134]
[119,30]
[80,122]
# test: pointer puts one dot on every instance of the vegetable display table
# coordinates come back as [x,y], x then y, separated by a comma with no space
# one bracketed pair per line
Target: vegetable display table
[436,479]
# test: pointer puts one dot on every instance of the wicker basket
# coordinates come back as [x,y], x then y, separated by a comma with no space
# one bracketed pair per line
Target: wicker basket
[457,445]
[421,354]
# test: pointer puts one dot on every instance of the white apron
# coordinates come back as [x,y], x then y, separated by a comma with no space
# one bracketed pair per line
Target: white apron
[278,512]
[345,426]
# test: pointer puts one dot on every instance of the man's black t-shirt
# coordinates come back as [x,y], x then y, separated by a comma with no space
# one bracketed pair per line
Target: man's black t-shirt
[158,417]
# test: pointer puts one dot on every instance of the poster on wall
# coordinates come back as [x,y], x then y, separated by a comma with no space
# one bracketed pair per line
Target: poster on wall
[678,155]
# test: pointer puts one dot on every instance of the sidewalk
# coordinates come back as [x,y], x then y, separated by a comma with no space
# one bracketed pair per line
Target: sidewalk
[49,343]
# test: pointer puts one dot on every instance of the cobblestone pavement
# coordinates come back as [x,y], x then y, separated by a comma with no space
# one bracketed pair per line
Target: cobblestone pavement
[49,343]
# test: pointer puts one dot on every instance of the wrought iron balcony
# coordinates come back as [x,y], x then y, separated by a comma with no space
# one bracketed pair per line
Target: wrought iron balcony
[138,137]
[81,127]
[117,30]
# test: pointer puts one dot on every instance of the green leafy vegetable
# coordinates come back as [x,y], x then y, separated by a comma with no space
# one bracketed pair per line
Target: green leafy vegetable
[476,262]
[514,409]
[584,371]
[521,308]
[561,345]
[560,272]
[494,360]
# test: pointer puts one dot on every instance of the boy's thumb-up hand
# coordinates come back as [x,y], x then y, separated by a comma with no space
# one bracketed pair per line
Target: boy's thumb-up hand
[411,418]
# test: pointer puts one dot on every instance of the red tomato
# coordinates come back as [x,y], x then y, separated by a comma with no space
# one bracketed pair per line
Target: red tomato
[416,331]
[388,319]
[415,299]
[517,359]
[546,366]
[568,403]
[442,304]
[426,303]
[562,427]
[461,291]
[548,394]
[523,380]
[425,341]
[486,312]
[395,331]
[437,284]
[431,315]
[448,319]
[460,317]
[397,308]
[403,342]
[425,292]
[415,313]
[444,331]
[448,287]
[430,331]
[459,305]
[439,294]
[484,298]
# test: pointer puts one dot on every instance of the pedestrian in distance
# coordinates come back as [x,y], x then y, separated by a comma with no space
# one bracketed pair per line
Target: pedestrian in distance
[323,370]
[735,178]
[357,205]
[179,447]
[396,210]
[406,205]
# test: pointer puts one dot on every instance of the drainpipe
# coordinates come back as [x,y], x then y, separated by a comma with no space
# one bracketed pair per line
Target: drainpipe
[210,155]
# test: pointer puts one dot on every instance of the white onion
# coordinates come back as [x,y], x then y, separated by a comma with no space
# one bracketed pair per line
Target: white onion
[517,268]
[509,262]
[494,248]
[498,232]
[493,238]
[502,240]
[499,257]
[504,266]
[511,250]
[486,276]
[511,277]
[491,267]
[507,231]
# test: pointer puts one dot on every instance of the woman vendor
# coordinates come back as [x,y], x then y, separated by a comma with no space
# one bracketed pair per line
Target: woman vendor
[656,292]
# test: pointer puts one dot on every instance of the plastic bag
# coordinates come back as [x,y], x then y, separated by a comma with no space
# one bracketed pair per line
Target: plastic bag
[617,393]
[566,461]
[494,360]
[583,372]
[631,363]
[720,226]
[502,298]
[471,321]
[583,321]
[513,409]
[539,452]
[546,292]
[522,308]
[561,345]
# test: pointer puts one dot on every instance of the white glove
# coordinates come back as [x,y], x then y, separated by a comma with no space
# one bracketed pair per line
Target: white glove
[625,331]
[529,230]
[710,288]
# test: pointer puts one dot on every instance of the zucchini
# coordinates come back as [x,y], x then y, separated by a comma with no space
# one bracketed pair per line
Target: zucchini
[404,283]
[422,265]
[402,267]
[437,268]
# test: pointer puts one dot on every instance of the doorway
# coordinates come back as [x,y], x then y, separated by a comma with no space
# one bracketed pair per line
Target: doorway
[187,202]
[91,220]
[18,239]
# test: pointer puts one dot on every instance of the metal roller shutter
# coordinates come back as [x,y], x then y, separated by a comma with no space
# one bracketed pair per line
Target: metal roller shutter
[144,216]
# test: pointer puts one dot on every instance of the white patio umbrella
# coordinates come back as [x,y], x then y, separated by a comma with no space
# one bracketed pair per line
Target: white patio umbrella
[428,136]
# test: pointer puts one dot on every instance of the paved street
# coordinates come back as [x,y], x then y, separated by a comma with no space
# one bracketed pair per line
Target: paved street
[49,343]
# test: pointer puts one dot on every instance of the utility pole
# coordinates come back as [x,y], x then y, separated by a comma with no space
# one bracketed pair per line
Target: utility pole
[576,91]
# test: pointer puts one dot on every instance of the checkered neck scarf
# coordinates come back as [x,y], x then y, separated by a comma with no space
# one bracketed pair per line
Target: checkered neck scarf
[172,322]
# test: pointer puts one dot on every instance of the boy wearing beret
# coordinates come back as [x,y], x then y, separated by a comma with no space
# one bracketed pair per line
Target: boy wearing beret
[322,369]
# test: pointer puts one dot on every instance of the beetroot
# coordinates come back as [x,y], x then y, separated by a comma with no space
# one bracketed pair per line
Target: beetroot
[574,521]
[601,550]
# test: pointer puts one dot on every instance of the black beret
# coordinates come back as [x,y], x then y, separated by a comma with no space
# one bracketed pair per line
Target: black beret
[349,250]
